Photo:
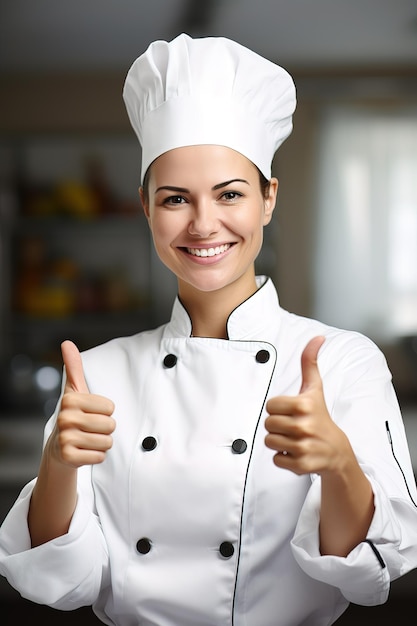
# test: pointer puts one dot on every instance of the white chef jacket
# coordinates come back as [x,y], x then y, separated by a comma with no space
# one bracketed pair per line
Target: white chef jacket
[188,522]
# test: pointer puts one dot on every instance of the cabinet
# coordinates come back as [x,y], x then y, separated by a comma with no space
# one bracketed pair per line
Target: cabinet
[77,260]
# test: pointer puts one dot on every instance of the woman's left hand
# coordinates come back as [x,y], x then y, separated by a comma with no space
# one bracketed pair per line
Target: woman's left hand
[307,440]
[300,428]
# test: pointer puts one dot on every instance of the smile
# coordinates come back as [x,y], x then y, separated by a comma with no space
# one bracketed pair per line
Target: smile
[204,252]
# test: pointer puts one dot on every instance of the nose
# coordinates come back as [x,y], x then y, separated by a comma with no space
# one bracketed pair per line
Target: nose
[204,220]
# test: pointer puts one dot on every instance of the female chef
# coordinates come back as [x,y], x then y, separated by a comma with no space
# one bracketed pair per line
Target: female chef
[239,465]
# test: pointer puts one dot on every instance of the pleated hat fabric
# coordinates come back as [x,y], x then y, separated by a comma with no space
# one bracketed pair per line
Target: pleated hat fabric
[209,90]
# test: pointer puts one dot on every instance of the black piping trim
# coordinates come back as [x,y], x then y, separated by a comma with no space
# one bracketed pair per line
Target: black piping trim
[267,279]
[397,462]
[375,551]
[188,315]
[247,472]
[243,302]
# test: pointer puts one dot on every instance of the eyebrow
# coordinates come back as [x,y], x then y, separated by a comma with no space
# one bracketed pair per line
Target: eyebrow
[228,182]
[185,190]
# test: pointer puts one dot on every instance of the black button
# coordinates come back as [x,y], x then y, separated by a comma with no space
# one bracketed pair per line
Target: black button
[149,443]
[262,356]
[144,545]
[170,360]
[226,549]
[239,446]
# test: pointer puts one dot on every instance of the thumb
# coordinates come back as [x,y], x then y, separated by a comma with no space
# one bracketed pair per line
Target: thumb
[309,369]
[74,368]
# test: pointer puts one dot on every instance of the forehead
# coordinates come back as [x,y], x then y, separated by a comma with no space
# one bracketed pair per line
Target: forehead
[202,163]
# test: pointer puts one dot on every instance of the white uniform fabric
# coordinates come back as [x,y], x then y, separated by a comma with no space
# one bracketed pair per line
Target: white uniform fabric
[227,538]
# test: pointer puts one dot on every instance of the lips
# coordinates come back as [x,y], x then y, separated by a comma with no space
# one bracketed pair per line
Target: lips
[208,252]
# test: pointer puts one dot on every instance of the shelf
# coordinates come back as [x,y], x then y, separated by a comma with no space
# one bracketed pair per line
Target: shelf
[44,224]
[76,254]
[132,322]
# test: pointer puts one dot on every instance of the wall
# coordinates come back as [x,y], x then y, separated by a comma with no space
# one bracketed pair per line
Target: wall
[93,102]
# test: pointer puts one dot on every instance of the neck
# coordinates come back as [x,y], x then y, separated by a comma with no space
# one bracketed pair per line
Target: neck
[210,310]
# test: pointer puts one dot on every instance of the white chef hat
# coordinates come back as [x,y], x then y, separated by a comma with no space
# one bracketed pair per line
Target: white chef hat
[208,90]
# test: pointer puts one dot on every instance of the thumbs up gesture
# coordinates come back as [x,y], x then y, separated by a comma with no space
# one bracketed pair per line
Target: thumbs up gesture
[300,429]
[84,425]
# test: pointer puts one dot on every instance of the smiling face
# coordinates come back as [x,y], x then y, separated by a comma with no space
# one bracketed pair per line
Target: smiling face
[206,211]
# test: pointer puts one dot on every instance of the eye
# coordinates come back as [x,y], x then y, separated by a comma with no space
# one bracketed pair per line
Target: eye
[174,200]
[229,196]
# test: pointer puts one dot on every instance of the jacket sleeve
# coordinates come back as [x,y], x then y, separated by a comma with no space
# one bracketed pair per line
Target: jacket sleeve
[365,406]
[67,572]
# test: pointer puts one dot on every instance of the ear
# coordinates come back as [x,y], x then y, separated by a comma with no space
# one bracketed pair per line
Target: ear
[145,205]
[270,200]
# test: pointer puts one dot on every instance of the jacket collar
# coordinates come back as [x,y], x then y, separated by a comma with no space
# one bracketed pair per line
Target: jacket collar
[257,318]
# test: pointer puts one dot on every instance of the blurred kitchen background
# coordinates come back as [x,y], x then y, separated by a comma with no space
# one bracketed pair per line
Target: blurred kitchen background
[76,259]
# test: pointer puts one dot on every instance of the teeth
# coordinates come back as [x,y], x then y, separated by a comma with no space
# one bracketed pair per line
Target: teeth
[209,251]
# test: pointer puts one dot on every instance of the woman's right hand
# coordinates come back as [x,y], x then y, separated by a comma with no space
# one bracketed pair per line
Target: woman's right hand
[83,429]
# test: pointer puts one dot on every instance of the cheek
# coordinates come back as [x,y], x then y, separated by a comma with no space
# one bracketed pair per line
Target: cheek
[159,240]
[251,224]
[163,231]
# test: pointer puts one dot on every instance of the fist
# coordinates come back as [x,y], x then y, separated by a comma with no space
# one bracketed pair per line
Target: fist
[84,426]
[300,429]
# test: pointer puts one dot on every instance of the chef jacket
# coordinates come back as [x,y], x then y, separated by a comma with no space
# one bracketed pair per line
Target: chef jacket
[188,522]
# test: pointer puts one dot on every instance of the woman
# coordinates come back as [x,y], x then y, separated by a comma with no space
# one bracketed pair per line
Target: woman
[240,464]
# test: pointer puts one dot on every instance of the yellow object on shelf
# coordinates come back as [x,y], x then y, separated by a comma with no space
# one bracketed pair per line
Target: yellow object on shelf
[74,198]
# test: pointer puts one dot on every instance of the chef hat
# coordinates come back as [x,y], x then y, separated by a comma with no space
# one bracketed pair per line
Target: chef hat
[208,91]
